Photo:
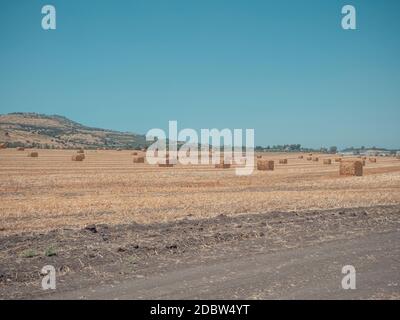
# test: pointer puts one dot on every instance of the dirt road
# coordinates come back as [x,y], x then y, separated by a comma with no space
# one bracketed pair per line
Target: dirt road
[262,256]
[305,273]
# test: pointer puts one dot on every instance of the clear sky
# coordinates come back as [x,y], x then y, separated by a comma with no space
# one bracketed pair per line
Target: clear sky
[285,68]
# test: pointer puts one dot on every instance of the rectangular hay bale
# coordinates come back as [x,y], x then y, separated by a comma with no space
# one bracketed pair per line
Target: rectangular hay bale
[78,157]
[33,154]
[138,159]
[265,165]
[351,168]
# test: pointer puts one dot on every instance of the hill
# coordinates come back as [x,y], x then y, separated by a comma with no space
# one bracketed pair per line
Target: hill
[55,131]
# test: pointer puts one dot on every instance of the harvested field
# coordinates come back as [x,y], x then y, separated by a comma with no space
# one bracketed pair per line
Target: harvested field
[54,192]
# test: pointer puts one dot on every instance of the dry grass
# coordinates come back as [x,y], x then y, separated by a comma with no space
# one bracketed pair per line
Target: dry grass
[55,192]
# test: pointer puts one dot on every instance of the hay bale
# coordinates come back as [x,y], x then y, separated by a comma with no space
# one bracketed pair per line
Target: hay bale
[78,157]
[222,164]
[351,168]
[315,159]
[259,157]
[338,159]
[265,165]
[310,154]
[134,153]
[372,159]
[138,159]
[283,161]
[167,164]
[33,154]
[80,151]
[301,157]
[309,158]
[20,149]
[3,145]
[168,160]
[327,161]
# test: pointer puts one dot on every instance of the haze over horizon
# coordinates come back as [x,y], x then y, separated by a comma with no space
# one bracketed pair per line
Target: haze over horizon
[286,69]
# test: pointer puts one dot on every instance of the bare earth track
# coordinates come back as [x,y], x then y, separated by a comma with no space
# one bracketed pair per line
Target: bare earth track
[270,255]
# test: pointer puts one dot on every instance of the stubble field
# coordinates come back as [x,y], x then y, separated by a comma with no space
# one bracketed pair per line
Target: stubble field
[51,191]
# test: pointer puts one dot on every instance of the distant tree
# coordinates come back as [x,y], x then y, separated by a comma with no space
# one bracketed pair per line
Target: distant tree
[295,147]
[333,149]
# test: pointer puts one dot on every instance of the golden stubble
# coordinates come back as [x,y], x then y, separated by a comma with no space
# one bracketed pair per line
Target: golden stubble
[52,191]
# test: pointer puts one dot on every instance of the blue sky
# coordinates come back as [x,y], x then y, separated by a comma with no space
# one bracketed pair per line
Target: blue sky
[285,68]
